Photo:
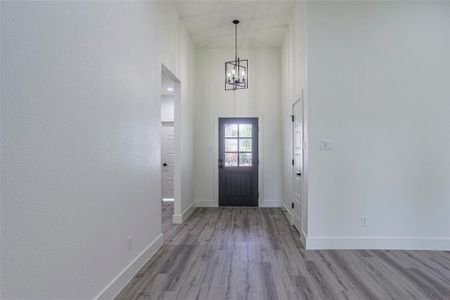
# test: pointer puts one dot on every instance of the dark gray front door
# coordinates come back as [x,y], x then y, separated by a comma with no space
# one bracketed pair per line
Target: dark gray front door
[238,161]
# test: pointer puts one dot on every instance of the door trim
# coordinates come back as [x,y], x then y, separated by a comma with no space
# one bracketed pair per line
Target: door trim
[294,179]
[290,209]
[162,129]
[215,155]
[177,142]
[304,217]
[255,123]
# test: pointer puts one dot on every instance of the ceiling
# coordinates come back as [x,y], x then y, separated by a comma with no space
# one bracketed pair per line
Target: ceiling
[263,23]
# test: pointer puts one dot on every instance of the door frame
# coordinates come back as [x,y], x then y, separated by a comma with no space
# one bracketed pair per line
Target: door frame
[304,195]
[293,180]
[260,154]
[166,124]
[177,145]
[255,153]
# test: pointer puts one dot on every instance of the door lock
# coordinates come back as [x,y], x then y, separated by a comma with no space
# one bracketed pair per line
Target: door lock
[165,164]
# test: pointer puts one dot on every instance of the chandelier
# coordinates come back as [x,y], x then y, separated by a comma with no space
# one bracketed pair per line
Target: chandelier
[236,71]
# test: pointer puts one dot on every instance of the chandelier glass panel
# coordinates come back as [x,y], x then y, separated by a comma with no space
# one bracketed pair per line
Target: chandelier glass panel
[236,71]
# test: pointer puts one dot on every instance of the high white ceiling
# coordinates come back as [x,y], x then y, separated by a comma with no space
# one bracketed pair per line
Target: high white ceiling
[263,23]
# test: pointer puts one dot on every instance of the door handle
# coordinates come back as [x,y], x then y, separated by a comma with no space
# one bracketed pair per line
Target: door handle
[165,164]
[299,174]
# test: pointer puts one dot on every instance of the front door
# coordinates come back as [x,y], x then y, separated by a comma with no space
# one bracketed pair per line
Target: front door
[238,162]
[297,129]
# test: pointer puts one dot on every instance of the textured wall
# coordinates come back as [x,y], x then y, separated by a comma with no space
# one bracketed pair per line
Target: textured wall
[80,157]
[378,88]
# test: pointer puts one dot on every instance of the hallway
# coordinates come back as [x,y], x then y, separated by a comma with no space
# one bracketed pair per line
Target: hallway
[272,126]
[253,253]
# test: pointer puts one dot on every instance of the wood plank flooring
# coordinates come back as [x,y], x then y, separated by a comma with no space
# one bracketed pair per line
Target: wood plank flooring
[253,253]
[166,216]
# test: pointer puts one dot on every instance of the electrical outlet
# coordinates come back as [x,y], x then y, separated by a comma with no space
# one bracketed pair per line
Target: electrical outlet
[364,221]
[130,242]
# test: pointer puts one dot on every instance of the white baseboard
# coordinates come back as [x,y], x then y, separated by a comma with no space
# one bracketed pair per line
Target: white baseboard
[270,203]
[379,243]
[205,204]
[121,280]
[180,218]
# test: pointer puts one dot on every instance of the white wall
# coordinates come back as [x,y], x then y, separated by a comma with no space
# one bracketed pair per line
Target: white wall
[80,141]
[378,88]
[186,72]
[262,99]
[293,74]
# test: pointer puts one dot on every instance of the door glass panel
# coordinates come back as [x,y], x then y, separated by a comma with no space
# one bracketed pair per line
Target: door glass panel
[231,159]
[238,145]
[231,130]
[245,159]
[245,130]
[231,145]
[245,145]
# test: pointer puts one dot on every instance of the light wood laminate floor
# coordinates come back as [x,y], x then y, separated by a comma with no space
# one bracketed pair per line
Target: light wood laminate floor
[253,253]
[166,217]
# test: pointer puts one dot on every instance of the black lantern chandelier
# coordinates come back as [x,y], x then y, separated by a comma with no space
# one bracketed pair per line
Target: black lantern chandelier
[236,71]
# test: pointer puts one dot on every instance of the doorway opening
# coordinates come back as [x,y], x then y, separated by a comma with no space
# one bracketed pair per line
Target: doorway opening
[238,162]
[170,100]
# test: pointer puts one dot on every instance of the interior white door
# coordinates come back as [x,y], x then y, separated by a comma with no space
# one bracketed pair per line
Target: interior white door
[167,158]
[297,169]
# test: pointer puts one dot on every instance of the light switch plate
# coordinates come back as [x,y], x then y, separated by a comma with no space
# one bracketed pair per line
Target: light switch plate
[325,145]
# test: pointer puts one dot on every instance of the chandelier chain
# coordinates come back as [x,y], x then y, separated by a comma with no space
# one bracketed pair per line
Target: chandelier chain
[235,42]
